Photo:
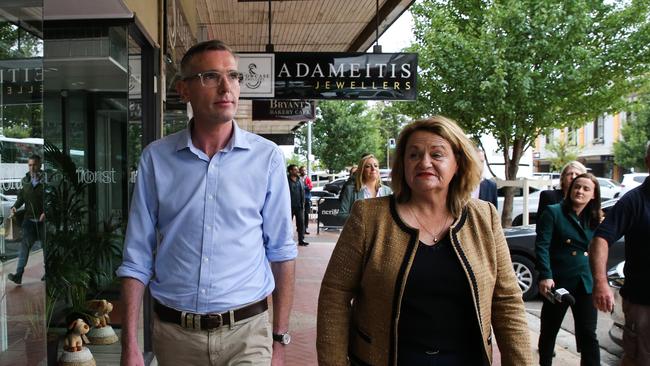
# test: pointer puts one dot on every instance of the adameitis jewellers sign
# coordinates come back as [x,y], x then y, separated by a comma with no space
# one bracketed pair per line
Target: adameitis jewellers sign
[311,75]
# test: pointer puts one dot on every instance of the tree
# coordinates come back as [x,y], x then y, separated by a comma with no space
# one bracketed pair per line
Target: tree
[518,68]
[391,121]
[564,153]
[342,133]
[630,151]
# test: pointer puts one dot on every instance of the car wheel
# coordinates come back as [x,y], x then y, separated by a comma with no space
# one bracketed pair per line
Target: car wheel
[526,276]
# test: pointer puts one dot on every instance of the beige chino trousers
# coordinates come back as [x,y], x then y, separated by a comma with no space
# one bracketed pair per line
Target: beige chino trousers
[247,342]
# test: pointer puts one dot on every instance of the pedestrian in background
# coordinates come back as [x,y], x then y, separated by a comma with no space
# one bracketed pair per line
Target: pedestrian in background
[563,234]
[297,195]
[306,181]
[209,232]
[487,189]
[367,184]
[552,196]
[630,217]
[424,276]
[30,195]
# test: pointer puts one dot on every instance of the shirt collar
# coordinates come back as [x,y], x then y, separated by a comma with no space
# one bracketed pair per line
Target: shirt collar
[238,139]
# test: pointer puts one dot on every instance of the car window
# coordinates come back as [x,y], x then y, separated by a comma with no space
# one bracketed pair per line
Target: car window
[639,179]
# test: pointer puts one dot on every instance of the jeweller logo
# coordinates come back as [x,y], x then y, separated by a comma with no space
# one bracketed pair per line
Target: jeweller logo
[257,69]
[253,79]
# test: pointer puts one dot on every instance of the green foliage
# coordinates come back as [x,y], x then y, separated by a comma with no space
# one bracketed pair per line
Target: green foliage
[297,160]
[564,153]
[15,42]
[630,152]
[343,132]
[390,120]
[518,68]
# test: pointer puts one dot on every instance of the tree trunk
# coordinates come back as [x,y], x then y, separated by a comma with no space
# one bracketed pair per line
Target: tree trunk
[511,165]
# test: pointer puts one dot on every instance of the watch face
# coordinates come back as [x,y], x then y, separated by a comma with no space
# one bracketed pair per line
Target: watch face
[286,338]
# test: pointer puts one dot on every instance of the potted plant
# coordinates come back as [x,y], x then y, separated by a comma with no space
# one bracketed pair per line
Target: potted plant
[80,261]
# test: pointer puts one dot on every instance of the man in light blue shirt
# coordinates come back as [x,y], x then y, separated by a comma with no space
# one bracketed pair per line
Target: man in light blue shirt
[210,231]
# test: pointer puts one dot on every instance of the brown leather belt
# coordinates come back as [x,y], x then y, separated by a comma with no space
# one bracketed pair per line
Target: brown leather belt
[208,321]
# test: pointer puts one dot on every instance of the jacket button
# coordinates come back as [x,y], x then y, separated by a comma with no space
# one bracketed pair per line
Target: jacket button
[586,254]
[574,253]
[568,241]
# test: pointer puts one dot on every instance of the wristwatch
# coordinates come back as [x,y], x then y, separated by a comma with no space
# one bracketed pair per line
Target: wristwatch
[283,338]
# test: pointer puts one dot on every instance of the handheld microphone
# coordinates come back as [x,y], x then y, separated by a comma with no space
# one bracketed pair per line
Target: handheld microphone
[560,295]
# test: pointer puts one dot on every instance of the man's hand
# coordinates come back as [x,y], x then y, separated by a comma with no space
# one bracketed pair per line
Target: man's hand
[546,285]
[42,217]
[603,297]
[131,356]
[278,354]
[13,211]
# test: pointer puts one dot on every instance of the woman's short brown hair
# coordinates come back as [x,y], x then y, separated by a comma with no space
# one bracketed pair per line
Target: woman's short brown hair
[468,175]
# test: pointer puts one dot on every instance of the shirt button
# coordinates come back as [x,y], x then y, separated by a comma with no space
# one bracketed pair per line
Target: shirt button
[205,259]
[208,227]
[203,291]
[210,196]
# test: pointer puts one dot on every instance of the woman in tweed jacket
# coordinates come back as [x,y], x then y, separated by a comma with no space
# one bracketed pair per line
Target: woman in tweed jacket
[424,275]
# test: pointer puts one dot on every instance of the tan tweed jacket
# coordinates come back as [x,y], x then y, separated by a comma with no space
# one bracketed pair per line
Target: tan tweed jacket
[361,293]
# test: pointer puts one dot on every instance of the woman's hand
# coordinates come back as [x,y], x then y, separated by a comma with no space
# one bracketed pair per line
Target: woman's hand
[546,285]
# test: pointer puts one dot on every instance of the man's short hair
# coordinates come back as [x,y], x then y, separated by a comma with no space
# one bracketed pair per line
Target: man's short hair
[35,157]
[211,45]
[291,166]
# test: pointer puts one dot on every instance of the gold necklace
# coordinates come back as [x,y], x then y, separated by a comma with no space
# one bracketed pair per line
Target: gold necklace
[435,236]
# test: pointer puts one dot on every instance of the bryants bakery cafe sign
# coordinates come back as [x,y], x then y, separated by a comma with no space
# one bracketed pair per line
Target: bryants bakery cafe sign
[311,75]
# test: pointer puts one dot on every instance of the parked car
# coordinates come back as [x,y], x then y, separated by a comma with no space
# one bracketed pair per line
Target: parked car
[609,188]
[632,180]
[518,203]
[616,279]
[335,186]
[521,242]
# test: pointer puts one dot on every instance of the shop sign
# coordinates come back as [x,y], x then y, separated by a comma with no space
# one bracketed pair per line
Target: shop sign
[21,85]
[275,109]
[258,75]
[356,76]
[280,138]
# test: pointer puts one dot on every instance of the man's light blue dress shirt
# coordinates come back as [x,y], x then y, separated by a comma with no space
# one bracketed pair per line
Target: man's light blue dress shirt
[202,231]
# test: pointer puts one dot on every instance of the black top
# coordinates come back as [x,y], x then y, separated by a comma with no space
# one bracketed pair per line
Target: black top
[631,217]
[297,194]
[437,311]
[547,198]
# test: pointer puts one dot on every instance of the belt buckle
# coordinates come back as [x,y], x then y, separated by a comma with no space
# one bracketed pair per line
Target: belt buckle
[210,317]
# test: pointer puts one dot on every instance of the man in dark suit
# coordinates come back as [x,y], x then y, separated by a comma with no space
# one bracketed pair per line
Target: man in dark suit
[488,188]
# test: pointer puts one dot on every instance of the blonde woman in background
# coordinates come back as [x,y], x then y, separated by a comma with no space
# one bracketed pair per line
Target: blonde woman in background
[367,184]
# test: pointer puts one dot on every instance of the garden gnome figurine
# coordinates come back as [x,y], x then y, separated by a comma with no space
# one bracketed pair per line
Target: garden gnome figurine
[74,352]
[102,332]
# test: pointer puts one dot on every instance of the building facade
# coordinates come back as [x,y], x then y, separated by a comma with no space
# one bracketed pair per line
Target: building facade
[594,142]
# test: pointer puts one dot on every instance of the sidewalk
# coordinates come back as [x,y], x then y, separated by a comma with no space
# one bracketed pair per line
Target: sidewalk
[310,267]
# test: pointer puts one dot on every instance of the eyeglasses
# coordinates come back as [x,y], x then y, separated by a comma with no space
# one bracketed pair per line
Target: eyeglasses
[212,79]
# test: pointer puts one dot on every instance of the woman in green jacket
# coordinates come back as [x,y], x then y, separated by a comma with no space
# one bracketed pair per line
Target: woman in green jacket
[367,184]
[564,232]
